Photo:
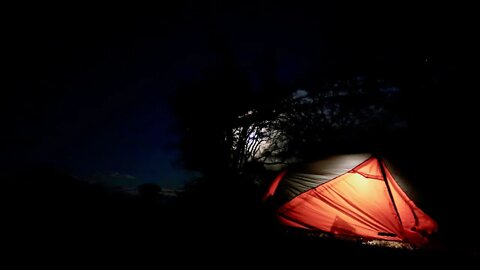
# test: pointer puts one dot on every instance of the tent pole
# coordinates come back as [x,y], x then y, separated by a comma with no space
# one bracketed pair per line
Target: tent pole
[384,175]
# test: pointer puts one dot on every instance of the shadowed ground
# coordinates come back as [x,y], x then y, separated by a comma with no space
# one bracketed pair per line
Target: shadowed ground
[50,213]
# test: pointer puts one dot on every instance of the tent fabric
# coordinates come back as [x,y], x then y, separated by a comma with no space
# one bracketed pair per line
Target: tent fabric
[351,195]
[307,176]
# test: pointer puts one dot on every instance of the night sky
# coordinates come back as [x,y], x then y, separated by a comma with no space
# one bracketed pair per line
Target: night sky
[88,88]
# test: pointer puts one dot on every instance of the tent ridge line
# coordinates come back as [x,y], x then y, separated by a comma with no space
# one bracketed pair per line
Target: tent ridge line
[384,174]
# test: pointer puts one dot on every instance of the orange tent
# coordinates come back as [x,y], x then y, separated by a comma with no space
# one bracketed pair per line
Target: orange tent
[350,195]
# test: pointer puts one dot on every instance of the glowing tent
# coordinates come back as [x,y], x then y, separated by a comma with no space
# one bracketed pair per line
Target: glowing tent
[349,195]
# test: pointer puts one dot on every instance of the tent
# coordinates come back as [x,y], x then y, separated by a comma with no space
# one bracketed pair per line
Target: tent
[349,195]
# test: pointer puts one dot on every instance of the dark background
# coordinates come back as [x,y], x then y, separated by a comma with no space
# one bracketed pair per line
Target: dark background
[89,90]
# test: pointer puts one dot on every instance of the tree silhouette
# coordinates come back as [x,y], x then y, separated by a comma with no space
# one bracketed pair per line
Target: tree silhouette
[226,125]
[347,115]
[207,110]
